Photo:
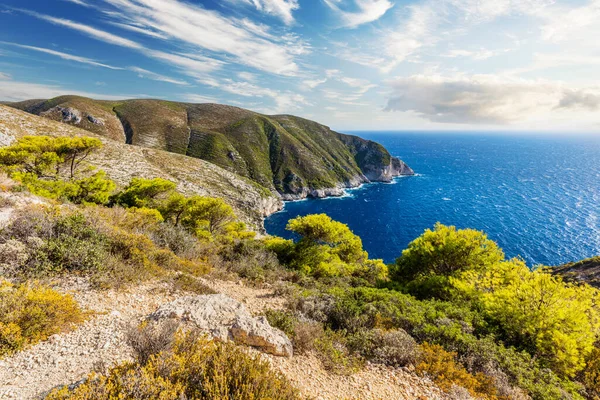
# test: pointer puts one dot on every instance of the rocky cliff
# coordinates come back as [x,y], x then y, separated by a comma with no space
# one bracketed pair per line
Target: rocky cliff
[587,271]
[293,156]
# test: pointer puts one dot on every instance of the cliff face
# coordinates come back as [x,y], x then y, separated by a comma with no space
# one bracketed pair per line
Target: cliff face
[293,156]
[587,271]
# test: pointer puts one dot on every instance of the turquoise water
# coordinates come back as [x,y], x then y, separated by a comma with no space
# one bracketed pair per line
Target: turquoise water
[537,196]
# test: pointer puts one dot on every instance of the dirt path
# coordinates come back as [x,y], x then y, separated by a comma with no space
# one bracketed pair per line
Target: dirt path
[101,342]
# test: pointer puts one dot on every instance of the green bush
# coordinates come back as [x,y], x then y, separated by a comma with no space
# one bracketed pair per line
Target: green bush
[97,242]
[456,327]
[332,349]
[30,313]
[51,167]
[327,249]
[192,368]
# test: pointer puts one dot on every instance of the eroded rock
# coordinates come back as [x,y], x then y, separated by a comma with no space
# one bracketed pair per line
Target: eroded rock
[226,319]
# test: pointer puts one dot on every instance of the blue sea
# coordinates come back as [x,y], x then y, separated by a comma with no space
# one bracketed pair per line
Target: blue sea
[537,196]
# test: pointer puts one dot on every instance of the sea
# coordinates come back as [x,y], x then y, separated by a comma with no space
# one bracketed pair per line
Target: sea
[536,195]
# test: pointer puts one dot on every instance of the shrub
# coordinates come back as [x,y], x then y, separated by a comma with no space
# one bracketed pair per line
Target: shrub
[30,313]
[96,242]
[190,283]
[327,249]
[151,338]
[442,368]
[450,325]
[334,354]
[396,347]
[591,374]
[251,260]
[302,333]
[194,368]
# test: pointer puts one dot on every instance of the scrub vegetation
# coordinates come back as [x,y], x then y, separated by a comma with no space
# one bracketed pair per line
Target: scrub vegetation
[451,306]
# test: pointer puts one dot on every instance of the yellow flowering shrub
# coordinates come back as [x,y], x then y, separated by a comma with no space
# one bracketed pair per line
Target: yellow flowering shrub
[30,313]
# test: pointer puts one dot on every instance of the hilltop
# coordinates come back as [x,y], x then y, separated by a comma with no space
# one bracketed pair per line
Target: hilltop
[121,162]
[296,157]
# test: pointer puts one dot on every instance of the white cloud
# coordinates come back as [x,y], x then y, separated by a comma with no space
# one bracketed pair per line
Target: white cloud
[285,101]
[366,11]
[144,73]
[17,91]
[562,23]
[198,98]
[246,76]
[4,75]
[138,29]
[202,29]
[64,56]
[478,55]
[426,24]
[313,83]
[88,30]
[282,9]
[79,2]
[190,64]
[479,99]
[580,99]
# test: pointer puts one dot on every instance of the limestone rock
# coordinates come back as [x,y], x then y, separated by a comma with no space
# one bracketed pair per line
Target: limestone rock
[226,319]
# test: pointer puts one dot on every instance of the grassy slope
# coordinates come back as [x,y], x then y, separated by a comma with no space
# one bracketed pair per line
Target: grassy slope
[280,152]
[122,162]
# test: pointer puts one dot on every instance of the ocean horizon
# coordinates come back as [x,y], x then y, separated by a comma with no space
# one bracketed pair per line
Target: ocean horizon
[536,195]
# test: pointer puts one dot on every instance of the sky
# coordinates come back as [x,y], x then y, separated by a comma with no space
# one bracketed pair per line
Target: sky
[510,65]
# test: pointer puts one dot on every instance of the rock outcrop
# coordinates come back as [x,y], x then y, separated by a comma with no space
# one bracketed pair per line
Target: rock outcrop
[585,271]
[226,319]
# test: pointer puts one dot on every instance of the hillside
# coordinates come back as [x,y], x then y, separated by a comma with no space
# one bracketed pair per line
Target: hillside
[294,156]
[587,271]
[121,162]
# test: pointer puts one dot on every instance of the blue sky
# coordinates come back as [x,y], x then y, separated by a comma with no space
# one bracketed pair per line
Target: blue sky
[351,64]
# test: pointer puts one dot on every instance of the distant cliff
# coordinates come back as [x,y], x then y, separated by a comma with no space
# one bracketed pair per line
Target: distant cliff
[296,157]
[587,271]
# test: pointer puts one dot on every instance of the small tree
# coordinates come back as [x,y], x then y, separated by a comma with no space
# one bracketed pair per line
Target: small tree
[48,157]
[51,167]
[432,261]
[206,214]
[141,192]
[329,248]
[556,322]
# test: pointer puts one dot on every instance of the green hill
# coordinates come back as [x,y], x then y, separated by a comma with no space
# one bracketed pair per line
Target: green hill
[294,156]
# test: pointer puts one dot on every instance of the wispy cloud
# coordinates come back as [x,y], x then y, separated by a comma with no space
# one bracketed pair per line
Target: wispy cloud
[202,29]
[198,98]
[144,73]
[64,56]
[313,83]
[88,30]
[282,9]
[366,11]
[79,3]
[138,29]
[11,90]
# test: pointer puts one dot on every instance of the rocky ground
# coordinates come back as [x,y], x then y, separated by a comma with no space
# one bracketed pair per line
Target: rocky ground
[101,342]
